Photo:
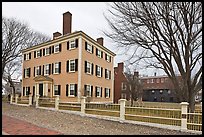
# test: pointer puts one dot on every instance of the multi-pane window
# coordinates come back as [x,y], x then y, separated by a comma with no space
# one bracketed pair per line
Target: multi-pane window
[72,65]
[98,71]
[38,53]
[98,91]
[56,90]
[56,48]
[99,53]
[123,86]
[88,90]
[89,48]
[107,92]
[27,73]
[47,69]
[72,90]
[38,70]
[72,45]
[27,56]
[56,68]
[107,74]
[108,57]
[47,51]
[88,66]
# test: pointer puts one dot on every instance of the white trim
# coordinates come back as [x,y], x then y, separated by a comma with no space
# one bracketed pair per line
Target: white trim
[69,90]
[79,68]
[70,65]
[46,50]
[72,41]
[55,48]
[112,77]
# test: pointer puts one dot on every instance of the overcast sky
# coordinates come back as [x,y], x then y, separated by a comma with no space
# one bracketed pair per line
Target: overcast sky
[46,17]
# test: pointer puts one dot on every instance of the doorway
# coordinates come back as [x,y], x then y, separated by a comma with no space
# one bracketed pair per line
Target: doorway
[41,90]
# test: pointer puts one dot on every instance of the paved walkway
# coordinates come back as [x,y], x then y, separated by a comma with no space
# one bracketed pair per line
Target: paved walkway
[13,126]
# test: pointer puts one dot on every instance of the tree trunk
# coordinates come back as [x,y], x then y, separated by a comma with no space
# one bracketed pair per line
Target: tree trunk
[132,101]
[192,102]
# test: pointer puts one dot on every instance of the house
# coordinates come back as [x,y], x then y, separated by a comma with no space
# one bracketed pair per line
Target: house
[155,88]
[71,65]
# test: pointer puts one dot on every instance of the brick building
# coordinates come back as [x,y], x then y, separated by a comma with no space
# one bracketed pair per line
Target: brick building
[71,65]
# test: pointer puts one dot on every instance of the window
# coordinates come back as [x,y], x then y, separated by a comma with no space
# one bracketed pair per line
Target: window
[157,80]
[47,69]
[56,68]
[72,45]
[162,80]
[123,86]
[56,50]
[56,89]
[99,71]
[88,67]
[107,92]
[72,65]
[147,80]
[27,91]
[107,74]
[152,80]
[108,57]
[38,71]
[27,56]
[47,51]
[73,90]
[88,90]
[99,53]
[88,47]
[38,53]
[27,73]
[98,92]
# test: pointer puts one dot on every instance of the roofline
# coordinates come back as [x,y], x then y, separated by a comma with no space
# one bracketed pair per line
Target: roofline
[67,36]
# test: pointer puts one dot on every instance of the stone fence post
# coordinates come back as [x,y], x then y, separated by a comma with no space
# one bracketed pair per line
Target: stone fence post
[16,101]
[11,99]
[83,105]
[184,111]
[30,100]
[57,102]
[122,109]
[37,101]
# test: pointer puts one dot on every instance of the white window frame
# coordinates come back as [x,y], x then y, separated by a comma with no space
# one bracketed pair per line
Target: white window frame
[56,64]
[123,86]
[26,72]
[99,53]
[47,49]
[37,53]
[88,65]
[37,70]
[27,56]
[88,93]
[72,42]
[98,91]
[70,85]
[71,61]
[56,48]
[98,68]
[46,69]
[55,89]
[108,57]
[108,74]
[89,48]
[107,90]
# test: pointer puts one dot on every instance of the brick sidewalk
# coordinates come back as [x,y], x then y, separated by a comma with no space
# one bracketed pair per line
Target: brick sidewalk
[13,126]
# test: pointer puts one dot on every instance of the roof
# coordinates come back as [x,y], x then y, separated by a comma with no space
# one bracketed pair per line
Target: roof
[67,36]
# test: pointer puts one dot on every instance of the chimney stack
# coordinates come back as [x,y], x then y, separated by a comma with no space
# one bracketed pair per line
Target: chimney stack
[136,73]
[100,41]
[56,34]
[120,67]
[67,23]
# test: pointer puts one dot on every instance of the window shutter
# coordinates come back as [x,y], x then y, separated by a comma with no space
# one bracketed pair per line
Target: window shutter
[23,73]
[60,47]
[109,93]
[33,90]
[67,90]
[24,56]
[40,71]
[52,49]
[40,52]
[49,69]
[92,68]
[29,91]
[75,88]
[96,52]
[96,69]
[59,88]
[30,55]
[105,73]
[105,56]
[76,64]
[101,54]
[44,52]
[101,91]
[85,66]
[52,68]
[29,72]
[85,45]
[34,54]
[34,72]
[101,72]
[76,43]
[85,91]
[43,71]
[67,65]
[95,91]
[59,67]
[92,49]
[105,92]
[91,91]
[109,74]
[67,45]
[110,58]
[23,91]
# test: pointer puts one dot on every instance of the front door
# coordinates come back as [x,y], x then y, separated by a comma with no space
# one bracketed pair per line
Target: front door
[41,90]
[33,95]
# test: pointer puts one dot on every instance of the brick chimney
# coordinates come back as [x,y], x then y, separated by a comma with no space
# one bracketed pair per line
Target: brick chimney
[120,67]
[56,34]
[100,41]
[136,73]
[67,23]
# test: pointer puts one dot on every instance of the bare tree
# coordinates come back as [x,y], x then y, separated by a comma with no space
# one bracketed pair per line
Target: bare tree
[15,37]
[163,35]
[134,85]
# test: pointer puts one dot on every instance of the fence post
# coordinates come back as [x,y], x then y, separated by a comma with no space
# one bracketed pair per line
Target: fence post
[16,101]
[122,109]
[201,106]
[184,111]
[57,102]
[30,100]
[11,99]
[37,101]
[83,105]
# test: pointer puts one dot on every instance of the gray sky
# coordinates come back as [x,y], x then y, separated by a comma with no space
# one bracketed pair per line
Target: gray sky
[46,17]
